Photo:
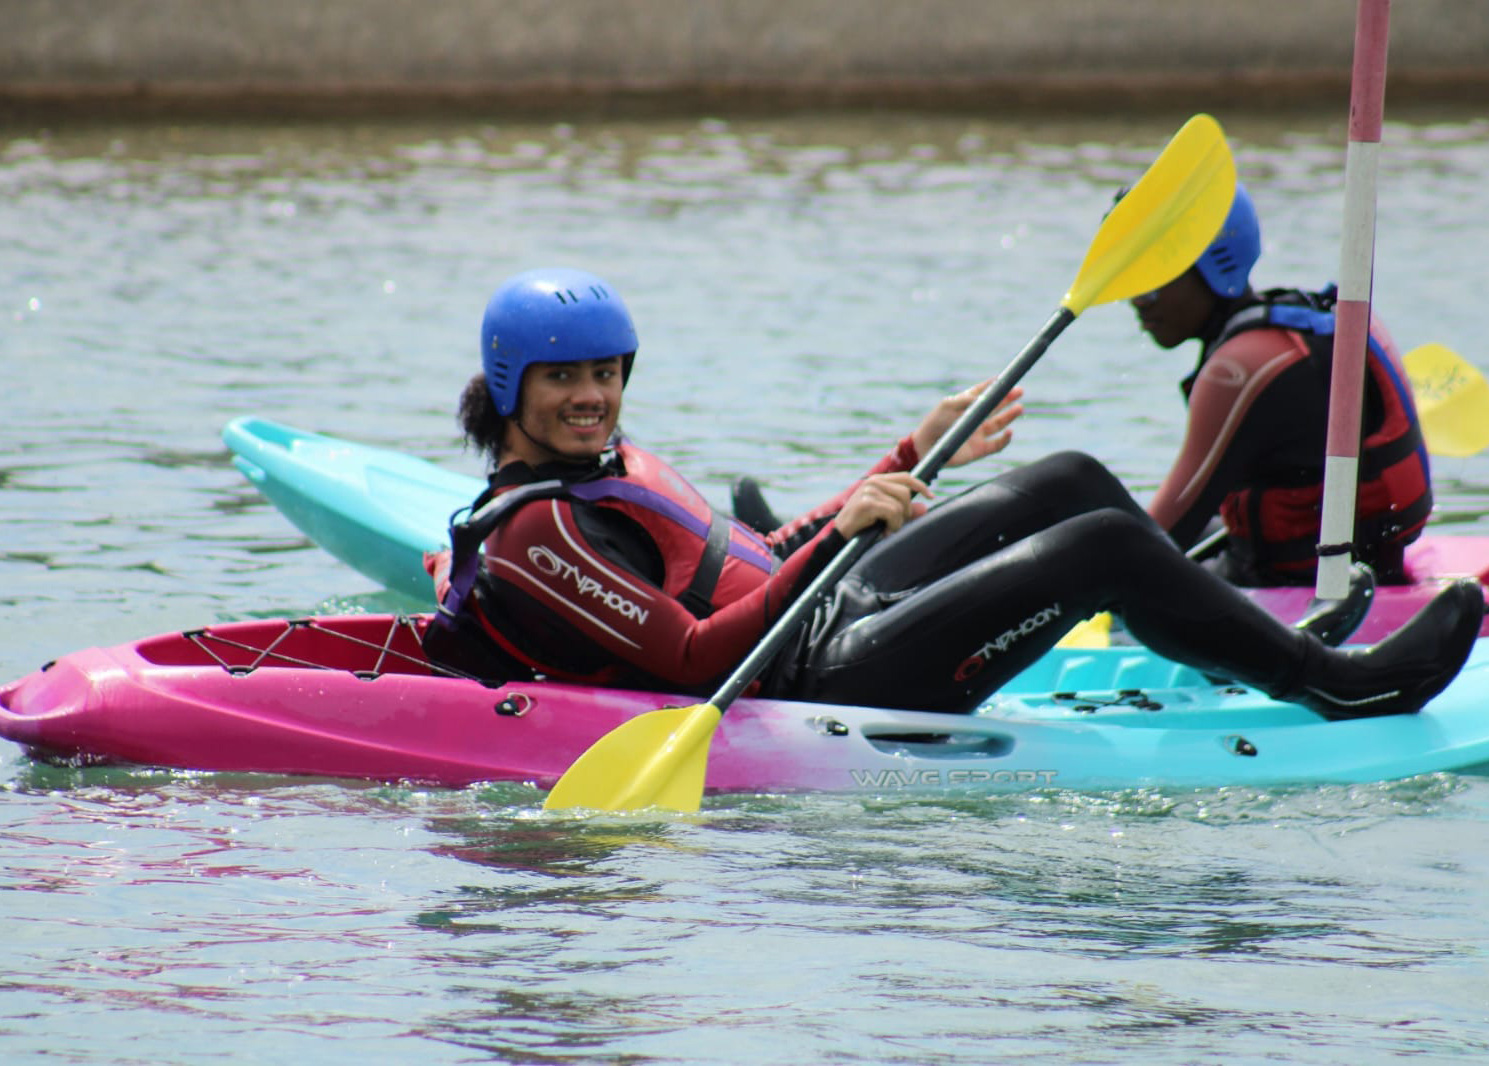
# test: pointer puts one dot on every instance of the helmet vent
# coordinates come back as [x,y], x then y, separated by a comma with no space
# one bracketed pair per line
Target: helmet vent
[1226,264]
[566,296]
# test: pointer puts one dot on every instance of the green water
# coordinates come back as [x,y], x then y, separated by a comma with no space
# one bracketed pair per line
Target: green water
[803,288]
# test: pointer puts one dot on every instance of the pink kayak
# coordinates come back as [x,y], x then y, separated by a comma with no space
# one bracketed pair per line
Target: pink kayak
[354,696]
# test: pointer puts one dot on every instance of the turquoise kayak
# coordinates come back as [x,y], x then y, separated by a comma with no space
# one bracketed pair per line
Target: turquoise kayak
[375,509]
[379,511]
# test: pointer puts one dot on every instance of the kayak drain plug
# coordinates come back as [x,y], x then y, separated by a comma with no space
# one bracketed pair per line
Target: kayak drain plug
[1239,745]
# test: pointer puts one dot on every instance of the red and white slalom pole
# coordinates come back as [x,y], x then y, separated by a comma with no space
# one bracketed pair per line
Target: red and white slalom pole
[1352,315]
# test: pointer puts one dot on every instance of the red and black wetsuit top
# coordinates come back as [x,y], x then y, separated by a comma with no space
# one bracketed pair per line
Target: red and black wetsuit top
[619,573]
[1255,442]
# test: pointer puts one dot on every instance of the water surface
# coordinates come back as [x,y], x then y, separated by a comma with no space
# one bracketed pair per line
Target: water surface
[804,288]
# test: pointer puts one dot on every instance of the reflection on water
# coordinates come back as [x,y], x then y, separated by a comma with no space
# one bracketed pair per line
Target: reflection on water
[944,925]
[804,288]
[938,917]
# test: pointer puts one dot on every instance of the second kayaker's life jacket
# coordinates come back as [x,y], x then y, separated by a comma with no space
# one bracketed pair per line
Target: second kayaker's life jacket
[708,558]
[1278,521]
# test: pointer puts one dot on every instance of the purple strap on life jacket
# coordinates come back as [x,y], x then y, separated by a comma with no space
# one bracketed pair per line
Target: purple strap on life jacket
[466,538]
[462,579]
[756,553]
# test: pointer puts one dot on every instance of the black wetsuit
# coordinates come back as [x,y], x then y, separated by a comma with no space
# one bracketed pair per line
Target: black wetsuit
[956,603]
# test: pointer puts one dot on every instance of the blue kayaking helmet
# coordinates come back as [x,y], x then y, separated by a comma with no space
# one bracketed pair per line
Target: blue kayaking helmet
[1226,264]
[550,315]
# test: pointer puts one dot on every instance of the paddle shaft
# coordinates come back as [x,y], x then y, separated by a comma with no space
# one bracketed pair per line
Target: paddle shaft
[926,470]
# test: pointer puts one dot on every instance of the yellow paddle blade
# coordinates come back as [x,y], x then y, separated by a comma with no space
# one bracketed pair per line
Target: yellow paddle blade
[1163,224]
[1094,632]
[657,759]
[1452,400]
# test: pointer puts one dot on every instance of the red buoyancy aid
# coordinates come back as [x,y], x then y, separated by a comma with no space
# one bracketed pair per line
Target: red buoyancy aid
[1280,522]
[710,559]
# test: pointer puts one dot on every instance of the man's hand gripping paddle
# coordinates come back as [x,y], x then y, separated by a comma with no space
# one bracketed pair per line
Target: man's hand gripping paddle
[1150,237]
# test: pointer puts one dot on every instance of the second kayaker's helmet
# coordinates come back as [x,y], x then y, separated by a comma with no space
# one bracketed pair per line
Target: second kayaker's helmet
[551,315]
[1226,264]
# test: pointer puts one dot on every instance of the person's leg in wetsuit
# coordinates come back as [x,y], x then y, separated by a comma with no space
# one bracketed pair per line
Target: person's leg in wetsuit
[967,527]
[940,615]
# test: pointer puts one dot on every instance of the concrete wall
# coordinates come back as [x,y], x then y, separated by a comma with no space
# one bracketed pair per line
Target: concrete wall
[337,53]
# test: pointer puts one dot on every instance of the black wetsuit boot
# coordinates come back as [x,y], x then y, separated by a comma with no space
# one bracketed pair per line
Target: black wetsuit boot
[1188,614]
[1399,674]
[1334,621]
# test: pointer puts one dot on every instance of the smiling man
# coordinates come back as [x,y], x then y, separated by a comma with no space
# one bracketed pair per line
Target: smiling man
[1253,449]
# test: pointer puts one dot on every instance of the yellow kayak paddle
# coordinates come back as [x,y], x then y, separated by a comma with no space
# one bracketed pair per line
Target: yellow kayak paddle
[1150,237]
